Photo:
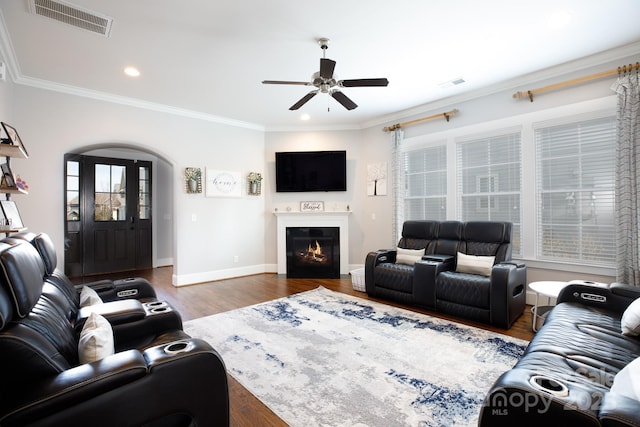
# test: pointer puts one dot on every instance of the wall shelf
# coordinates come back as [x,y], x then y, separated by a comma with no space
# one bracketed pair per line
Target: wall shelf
[12,190]
[15,151]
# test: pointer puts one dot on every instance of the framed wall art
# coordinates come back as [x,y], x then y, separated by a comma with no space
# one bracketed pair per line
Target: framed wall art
[220,183]
[377,179]
[14,138]
[11,214]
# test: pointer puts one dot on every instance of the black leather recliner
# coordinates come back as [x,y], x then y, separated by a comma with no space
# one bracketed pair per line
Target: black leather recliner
[567,373]
[498,299]
[385,278]
[433,282]
[165,379]
[108,290]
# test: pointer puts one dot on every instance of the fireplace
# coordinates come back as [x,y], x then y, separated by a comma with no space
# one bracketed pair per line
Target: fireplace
[313,252]
[292,219]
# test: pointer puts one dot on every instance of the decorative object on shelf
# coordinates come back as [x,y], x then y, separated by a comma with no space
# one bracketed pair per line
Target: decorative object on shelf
[193,180]
[22,184]
[311,206]
[254,183]
[11,215]
[13,139]
[377,179]
[8,180]
[221,183]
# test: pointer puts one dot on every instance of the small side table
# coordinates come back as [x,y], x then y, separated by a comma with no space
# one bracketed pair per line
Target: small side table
[549,289]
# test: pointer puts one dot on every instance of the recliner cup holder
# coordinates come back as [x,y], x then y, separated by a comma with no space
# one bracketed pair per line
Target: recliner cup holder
[156,303]
[549,385]
[178,347]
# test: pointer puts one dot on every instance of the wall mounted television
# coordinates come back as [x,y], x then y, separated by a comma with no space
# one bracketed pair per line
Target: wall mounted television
[304,171]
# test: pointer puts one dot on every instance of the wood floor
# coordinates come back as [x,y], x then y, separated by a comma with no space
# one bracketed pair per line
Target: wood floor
[215,297]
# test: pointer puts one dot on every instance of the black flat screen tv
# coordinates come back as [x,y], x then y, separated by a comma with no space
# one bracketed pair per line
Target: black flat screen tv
[304,171]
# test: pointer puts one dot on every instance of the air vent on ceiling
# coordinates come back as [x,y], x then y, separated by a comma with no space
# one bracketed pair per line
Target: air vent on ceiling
[452,82]
[72,15]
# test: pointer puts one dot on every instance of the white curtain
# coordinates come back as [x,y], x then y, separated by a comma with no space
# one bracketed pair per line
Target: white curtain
[628,179]
[397,171]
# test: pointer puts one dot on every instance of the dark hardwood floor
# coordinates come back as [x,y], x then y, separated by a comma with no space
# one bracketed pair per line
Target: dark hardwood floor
[215,297]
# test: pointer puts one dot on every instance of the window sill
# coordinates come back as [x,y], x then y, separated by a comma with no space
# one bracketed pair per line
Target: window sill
[567,267]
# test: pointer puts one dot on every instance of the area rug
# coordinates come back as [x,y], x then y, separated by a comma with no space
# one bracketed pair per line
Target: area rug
[323,358]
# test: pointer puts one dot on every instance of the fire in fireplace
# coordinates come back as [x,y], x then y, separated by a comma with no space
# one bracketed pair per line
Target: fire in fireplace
[313,252]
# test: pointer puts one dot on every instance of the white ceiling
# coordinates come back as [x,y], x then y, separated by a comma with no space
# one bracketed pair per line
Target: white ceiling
[210,56]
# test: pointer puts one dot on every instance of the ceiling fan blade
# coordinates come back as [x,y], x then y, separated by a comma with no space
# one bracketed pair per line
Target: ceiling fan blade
[363,82]
[326,68]
[284,82]
[343,99]
[303,100]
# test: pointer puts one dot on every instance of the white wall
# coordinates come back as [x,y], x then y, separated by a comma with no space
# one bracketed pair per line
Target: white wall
[52,124]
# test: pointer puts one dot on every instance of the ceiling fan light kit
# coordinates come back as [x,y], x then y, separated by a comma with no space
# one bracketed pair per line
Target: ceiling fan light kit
[325,82]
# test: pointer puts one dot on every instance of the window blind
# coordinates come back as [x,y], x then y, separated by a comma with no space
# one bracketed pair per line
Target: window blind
[426,183]
[576,191]
[489,181]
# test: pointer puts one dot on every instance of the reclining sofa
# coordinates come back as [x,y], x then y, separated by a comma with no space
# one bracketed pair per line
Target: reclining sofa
[582,368]
[458,268]
[125,362]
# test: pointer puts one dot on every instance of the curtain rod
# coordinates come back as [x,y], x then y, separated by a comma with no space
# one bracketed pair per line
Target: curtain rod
[620,70]
[423,119]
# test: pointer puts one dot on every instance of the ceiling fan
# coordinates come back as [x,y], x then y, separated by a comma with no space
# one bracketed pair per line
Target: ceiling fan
[325,82]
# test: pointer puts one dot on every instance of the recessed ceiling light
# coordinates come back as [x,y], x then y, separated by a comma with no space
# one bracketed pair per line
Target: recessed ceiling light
[305,116]
[559,20]
[132,71]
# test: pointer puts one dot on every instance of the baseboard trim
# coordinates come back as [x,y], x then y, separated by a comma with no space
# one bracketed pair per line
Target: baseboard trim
[211,276]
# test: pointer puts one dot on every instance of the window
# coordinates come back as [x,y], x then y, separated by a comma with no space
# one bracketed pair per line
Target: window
[73,190]
[425,183]
[144,192]
[110,192]
[489,181]
[575,190]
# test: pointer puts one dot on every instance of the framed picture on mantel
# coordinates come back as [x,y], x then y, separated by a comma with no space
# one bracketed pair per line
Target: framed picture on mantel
[311,206]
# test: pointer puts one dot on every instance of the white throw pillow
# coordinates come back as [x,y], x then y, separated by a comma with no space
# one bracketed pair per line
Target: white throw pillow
[96,339]
[626,381]
[474,264]
[631,319]
[408,256]
[89,297]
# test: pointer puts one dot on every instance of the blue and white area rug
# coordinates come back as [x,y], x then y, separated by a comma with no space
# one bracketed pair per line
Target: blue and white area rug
[323,358]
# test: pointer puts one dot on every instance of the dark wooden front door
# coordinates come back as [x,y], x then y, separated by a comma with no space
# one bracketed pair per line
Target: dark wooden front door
[108,215]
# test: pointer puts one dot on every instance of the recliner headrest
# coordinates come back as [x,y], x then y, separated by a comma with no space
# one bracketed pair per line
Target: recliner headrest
[44,245]
[450,230]
[419,229]
[22,272]
[42,242]
[487,231]
[6,308]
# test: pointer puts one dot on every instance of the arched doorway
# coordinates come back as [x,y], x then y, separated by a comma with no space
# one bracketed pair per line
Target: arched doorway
[113,210]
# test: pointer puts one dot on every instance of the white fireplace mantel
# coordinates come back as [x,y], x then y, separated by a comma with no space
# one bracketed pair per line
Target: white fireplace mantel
[312,219]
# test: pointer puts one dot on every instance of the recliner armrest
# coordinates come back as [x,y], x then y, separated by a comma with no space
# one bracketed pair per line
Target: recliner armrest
[384,255]
[157,387]
[74,385]
[599,295]
[625,290]
[116,312]
[619,410]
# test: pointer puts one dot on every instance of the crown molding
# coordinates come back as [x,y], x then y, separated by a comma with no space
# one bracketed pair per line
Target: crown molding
[515,84]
